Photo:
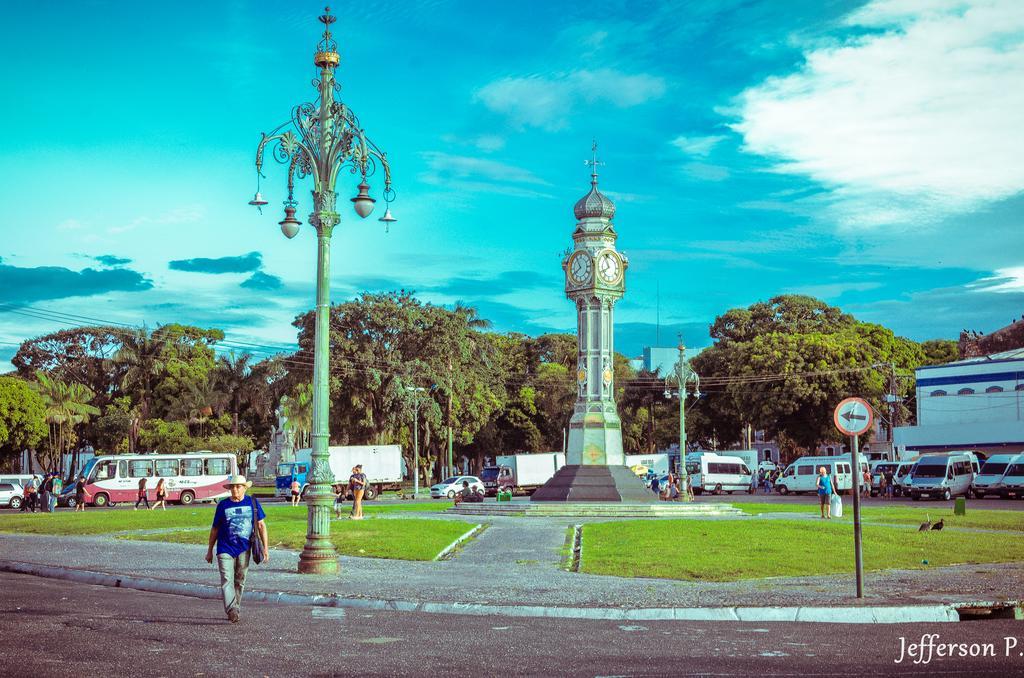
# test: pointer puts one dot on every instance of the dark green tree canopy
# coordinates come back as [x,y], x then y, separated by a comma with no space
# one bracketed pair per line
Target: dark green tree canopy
[22,416]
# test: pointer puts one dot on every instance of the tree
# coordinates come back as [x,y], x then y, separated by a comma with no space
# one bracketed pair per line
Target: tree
[940,351]
[382,343]
[234,379]
[114,428]
[141,359]
[22,417]
[67,406]
[167,437]
[783,365]
[298,410]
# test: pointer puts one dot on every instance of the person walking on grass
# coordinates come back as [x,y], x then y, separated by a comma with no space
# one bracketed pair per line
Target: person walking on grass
[357,483]
[31,495]
[142,494]
[161,495]
[80,494]
[44,492]
[296,491]
[339,499]
[232,533]
[825,493]
[56,486]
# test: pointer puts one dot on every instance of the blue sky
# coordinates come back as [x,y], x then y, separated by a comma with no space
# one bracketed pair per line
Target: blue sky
[867,153]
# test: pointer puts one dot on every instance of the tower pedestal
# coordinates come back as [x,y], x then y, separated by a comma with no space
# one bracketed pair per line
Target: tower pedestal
[595,484]
[595,437]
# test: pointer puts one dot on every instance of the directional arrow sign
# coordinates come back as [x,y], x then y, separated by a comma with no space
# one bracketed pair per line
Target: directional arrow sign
[853,416]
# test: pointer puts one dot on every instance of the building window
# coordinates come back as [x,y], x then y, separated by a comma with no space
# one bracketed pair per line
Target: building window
[994,389]
[965,391]
[936,394]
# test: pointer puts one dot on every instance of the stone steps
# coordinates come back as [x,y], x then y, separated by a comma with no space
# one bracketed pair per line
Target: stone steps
[595,510]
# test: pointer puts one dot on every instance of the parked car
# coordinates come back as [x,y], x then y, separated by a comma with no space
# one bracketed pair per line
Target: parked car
[449,487]
[11,495]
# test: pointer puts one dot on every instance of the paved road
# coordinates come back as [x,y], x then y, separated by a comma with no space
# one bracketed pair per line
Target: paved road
[90,630]
[812,501]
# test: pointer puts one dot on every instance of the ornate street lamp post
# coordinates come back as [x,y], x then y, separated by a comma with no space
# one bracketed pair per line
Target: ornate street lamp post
[321,139]
[684,374]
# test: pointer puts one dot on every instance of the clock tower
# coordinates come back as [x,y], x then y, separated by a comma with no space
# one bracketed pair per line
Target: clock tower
[594,281]
[595,278]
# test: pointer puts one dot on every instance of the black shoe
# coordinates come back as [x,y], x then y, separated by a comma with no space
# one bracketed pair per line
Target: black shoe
[233,617]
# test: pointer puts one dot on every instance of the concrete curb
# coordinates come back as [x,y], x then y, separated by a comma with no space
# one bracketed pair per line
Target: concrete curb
[833,615]
[451,547]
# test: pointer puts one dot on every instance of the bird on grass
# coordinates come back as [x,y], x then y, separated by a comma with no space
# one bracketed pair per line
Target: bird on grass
[926,525]
[938,525]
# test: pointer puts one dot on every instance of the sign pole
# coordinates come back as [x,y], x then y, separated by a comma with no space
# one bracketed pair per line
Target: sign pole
[858,555]
[853,416]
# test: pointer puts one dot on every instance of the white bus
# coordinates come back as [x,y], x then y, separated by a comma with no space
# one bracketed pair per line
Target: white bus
[188,477]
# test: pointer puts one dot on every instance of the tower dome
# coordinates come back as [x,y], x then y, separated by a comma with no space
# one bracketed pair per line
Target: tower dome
[594,204]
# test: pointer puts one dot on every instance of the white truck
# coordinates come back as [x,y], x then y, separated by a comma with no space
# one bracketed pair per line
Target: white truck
[526,472]
[382,465]
[655,463]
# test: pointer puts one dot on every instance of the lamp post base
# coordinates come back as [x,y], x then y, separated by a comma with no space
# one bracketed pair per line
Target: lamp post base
[317,562]
[318,553]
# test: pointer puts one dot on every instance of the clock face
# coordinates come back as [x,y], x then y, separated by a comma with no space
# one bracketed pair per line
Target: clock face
[581,267]
[609,267]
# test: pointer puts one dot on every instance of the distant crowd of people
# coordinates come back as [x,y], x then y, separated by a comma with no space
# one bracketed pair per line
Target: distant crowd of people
[766,479]
[673,488]
[42,491]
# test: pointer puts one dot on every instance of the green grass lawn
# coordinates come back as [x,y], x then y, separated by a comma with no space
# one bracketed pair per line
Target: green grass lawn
[903,515]
[106,521]
[407,539]
[732,550]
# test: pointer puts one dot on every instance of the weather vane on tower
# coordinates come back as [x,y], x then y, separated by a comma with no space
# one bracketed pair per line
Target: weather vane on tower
[593,163]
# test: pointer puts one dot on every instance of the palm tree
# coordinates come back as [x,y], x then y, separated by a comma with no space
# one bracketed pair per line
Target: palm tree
[471,316]
[195,403]
[298,409]
[234,380]
[67,406]
[141,357]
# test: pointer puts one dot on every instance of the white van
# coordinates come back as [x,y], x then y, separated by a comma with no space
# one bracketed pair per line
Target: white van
[902,477]
[802,474]
[941,476]
[990,480]
[719,473]
[1013,479]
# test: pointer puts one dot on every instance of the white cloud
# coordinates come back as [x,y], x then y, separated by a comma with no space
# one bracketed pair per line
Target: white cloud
[481,174]
[918,120]
[1005,280]
[178,215]
[546,101]
[70,225]
[701,145]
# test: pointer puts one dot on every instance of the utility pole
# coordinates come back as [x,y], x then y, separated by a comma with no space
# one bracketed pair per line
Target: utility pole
[450,387]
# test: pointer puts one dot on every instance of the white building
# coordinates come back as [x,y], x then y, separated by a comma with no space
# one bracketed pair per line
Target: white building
[973,404]
[661,359]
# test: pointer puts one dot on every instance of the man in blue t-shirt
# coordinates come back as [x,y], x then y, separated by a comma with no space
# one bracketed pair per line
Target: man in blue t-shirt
[232,531]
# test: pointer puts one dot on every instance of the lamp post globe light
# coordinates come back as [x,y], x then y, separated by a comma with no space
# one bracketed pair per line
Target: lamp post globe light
[684,374]
[320,140]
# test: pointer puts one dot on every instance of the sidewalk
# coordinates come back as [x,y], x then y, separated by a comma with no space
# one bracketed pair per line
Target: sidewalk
[514,562]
